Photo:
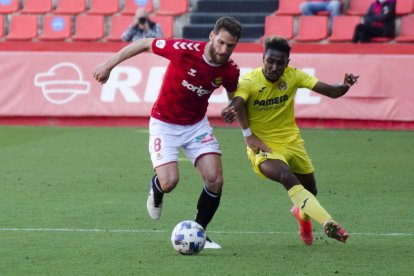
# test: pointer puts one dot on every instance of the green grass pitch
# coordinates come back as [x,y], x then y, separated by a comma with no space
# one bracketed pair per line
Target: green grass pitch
[72,202]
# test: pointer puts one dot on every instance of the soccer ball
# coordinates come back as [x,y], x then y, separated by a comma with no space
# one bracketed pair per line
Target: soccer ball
[188,237]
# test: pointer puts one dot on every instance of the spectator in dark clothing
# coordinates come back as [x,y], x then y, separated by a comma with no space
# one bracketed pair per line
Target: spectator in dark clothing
[379,21]
[141,27]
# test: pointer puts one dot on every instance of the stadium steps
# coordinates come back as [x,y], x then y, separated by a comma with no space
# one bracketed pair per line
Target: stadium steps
[251,13]
[251,32]
[246,6]
[210,18]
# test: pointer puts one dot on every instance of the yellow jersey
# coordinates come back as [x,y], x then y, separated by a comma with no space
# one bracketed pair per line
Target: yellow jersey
[270,105]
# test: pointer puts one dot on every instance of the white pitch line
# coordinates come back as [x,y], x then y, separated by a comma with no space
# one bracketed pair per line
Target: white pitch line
[81,230]
[163,231]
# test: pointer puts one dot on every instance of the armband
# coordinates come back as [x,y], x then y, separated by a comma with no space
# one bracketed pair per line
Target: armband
[247,132]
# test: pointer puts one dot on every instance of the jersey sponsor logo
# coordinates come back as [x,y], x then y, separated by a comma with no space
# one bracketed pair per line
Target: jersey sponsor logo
[160,43]
[186,46]
[271,101]
[197,89]
[282,85]
[262,89]
[217,82]
[192,72]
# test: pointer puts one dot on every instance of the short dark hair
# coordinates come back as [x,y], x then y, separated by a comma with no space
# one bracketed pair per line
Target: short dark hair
[230,24]
[277,43]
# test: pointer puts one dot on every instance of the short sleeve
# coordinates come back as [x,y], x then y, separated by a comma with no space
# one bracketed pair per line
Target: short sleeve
[233,82]
[243,89]
[305,80]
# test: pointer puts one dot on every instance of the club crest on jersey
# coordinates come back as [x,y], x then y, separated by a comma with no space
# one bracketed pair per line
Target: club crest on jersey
[217,82]
[192,72]
[160,43]
[282,85]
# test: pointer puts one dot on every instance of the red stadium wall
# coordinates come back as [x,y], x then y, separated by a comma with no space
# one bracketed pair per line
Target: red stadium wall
[52,84]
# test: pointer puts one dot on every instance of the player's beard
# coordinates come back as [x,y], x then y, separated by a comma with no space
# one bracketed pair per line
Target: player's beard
[216,58]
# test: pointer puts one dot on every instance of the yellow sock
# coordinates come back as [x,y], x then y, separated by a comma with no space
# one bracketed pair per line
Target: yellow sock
[303,215]
[308,203]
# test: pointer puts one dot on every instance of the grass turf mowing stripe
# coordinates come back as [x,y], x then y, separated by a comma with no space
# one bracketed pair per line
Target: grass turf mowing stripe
[162,231]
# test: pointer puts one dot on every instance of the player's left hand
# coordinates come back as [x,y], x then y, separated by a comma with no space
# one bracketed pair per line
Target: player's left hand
[256,144]
[350,79]
[228,114]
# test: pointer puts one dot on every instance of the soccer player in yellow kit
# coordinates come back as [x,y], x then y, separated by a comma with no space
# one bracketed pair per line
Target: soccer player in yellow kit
[264,106]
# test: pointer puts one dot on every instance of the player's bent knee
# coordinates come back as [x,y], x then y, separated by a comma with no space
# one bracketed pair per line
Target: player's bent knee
[168,185]
[287,179]
[215,185]
[313,191]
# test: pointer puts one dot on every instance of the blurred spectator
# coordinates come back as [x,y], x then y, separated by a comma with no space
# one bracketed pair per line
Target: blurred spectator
[379,21]
[141,27]
[310,7]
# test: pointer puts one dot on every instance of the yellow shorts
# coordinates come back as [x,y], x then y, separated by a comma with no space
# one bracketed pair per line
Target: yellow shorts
[294,154]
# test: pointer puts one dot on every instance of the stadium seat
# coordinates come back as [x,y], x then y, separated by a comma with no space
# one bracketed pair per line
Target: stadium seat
[279,25]
[89,27]
[119,23]
[132,5]
[70,6]
[10,6]
[56,27]
[168,7]
[312,28]
[22,27]
[289,7]
[103,7]
[167,24]
[406,29]
[358,7]
[326,13]
[343,27]
[1,25]
[404,7]
[37,6]
[380,39]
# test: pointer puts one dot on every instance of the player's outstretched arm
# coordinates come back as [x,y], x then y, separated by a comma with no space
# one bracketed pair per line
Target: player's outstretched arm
[102,71]
[335,90]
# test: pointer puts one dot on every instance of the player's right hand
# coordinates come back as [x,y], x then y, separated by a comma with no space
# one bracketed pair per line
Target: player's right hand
[101,73]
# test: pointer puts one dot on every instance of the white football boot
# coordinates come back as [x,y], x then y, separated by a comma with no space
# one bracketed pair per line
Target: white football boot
[153,211]
[211,244]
